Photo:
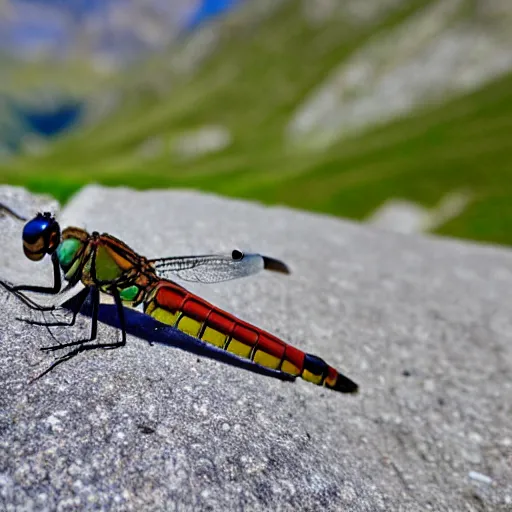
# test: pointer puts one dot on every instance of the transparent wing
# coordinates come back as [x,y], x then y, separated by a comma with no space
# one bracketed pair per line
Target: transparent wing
[215,268]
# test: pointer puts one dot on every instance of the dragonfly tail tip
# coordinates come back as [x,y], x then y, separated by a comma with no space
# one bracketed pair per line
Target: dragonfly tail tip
[345,385]
[275,265]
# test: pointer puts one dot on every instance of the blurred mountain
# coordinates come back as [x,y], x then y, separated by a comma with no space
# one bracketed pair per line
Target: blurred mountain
[331,106]
[113,30]
[54,53]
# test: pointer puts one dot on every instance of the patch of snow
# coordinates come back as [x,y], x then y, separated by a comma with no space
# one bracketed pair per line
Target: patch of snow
[407,217]
[400,216]
[207,139]
[431,56]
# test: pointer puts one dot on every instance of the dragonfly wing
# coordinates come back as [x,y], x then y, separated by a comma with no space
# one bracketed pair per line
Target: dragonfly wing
[215,268]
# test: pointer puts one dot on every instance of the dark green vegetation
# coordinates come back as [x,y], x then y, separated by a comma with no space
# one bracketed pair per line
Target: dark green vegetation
[252,85]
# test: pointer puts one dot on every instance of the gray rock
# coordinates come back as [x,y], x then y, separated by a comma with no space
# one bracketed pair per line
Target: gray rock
[424,325]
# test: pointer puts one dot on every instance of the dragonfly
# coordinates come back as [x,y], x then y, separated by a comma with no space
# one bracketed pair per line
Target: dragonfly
[94,263]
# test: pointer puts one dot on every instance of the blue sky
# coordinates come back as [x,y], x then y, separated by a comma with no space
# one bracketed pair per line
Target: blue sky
[210,8]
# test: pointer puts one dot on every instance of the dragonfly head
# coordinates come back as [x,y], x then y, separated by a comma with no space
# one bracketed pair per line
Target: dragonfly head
[41,236]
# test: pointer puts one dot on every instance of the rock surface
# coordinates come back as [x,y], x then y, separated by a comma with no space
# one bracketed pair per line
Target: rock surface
[423,325]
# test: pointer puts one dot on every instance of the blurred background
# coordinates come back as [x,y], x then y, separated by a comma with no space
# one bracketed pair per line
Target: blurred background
[394,112]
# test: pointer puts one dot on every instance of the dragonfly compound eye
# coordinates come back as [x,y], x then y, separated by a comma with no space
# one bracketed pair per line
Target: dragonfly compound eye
[41,236]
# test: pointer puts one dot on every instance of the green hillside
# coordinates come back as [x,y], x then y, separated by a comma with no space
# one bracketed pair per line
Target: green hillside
[252,84]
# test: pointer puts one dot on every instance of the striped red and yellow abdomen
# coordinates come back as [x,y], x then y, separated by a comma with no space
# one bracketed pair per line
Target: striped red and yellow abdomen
[173,305]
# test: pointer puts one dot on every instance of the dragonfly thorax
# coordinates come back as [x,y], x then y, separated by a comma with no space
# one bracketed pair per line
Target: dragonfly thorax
[71,251]
[67,252]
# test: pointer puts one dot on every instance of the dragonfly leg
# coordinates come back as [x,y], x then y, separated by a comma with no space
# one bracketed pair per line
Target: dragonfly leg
[61,360]
[120,315]
[51,302]
[122,323]
[94,330]
[94,326]
[94,321]
[81,347]
[26,300]
[48,290]
[75,309]
[5,209]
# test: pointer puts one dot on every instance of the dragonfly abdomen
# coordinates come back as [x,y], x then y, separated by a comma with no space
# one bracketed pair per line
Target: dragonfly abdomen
[171,304]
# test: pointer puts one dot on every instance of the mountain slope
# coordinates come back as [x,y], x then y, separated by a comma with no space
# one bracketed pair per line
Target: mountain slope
[225,124]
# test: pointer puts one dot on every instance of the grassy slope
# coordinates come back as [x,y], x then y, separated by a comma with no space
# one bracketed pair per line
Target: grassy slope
[252,85]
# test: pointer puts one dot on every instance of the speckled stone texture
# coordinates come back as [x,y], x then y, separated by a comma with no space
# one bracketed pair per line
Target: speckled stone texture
[424,325]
